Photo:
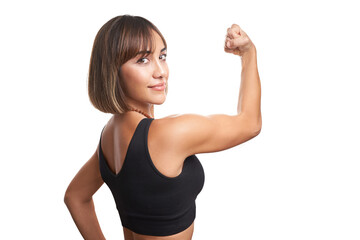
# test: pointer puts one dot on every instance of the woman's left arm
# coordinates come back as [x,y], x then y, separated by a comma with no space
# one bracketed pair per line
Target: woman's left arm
[78,198]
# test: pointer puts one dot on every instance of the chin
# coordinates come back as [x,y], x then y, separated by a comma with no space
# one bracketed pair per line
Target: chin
[159,100]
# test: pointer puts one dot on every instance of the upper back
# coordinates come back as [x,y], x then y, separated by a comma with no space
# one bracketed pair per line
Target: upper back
[148,201]
[119,132]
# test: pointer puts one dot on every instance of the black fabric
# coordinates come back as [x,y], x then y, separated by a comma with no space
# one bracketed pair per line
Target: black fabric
[149,202]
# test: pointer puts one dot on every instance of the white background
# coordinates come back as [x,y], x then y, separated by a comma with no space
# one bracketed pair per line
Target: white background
[298,179]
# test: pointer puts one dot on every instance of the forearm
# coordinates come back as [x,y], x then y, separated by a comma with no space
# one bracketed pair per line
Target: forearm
[250,89]
[84,216]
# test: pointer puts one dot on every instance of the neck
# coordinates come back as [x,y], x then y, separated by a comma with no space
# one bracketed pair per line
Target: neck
[149,113]
[146,108]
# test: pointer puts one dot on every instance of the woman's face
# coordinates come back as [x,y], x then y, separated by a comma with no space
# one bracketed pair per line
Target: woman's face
[140,73]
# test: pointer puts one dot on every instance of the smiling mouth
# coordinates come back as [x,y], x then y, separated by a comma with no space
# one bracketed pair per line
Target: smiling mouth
[158,85]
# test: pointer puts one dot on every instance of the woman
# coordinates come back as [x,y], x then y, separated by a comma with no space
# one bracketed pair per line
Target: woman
[150,164]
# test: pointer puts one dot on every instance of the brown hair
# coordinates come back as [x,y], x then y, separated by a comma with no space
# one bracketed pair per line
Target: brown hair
[118,40]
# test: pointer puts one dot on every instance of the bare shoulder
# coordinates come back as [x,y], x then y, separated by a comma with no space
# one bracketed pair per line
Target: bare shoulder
[190,133]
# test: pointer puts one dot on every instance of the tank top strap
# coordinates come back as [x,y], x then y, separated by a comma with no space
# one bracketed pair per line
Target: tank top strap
[136,152]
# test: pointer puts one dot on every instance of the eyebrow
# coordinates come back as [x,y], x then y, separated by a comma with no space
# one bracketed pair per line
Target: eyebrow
[148,52]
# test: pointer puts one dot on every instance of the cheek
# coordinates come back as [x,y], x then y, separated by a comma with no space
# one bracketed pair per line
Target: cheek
[140,81]
[135,75]
[136,81]
[166,69]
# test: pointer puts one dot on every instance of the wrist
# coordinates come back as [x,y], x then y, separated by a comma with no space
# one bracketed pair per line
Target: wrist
[249,55]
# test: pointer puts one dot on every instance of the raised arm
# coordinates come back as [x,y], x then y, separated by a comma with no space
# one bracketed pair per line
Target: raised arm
[78,199]
[238,43]
[192,133]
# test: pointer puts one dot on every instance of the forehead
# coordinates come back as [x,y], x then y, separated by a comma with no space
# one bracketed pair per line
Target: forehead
[157,41]
[150,44]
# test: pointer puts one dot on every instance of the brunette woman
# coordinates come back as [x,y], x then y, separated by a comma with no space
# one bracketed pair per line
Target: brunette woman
[149,163]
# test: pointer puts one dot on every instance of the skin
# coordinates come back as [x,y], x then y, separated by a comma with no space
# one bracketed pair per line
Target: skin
[169,138]
[140,73]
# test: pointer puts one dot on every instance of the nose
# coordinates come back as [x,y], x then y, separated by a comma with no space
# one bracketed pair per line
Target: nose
[159,69]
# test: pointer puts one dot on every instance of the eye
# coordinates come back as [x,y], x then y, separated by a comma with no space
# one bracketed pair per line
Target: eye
[164,56]
[141,60]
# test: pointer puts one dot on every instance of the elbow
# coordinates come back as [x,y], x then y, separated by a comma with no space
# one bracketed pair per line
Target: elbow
[255,122]
[70,199]
[257,131]
[257,128]
[67,198]
[259,123]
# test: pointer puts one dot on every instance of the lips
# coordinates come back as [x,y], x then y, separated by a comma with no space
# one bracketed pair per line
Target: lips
[158,85]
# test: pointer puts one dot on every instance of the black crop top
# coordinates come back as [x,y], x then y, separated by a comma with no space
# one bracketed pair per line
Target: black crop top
[149,202]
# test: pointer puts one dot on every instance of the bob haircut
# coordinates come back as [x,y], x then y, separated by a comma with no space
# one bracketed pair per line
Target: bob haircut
[118,40]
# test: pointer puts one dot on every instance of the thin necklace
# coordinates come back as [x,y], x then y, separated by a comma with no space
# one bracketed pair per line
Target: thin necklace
[139,111]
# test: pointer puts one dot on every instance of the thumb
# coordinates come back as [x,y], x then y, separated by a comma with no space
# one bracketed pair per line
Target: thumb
[229,43]
[237,42]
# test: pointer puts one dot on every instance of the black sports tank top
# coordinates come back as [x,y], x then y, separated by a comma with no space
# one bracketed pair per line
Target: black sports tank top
[149,202]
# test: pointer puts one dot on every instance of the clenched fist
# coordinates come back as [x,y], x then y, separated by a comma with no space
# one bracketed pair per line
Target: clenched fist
[237,41]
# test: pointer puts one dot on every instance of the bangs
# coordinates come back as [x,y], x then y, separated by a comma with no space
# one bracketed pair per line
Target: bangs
[145,44]
[140,42]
